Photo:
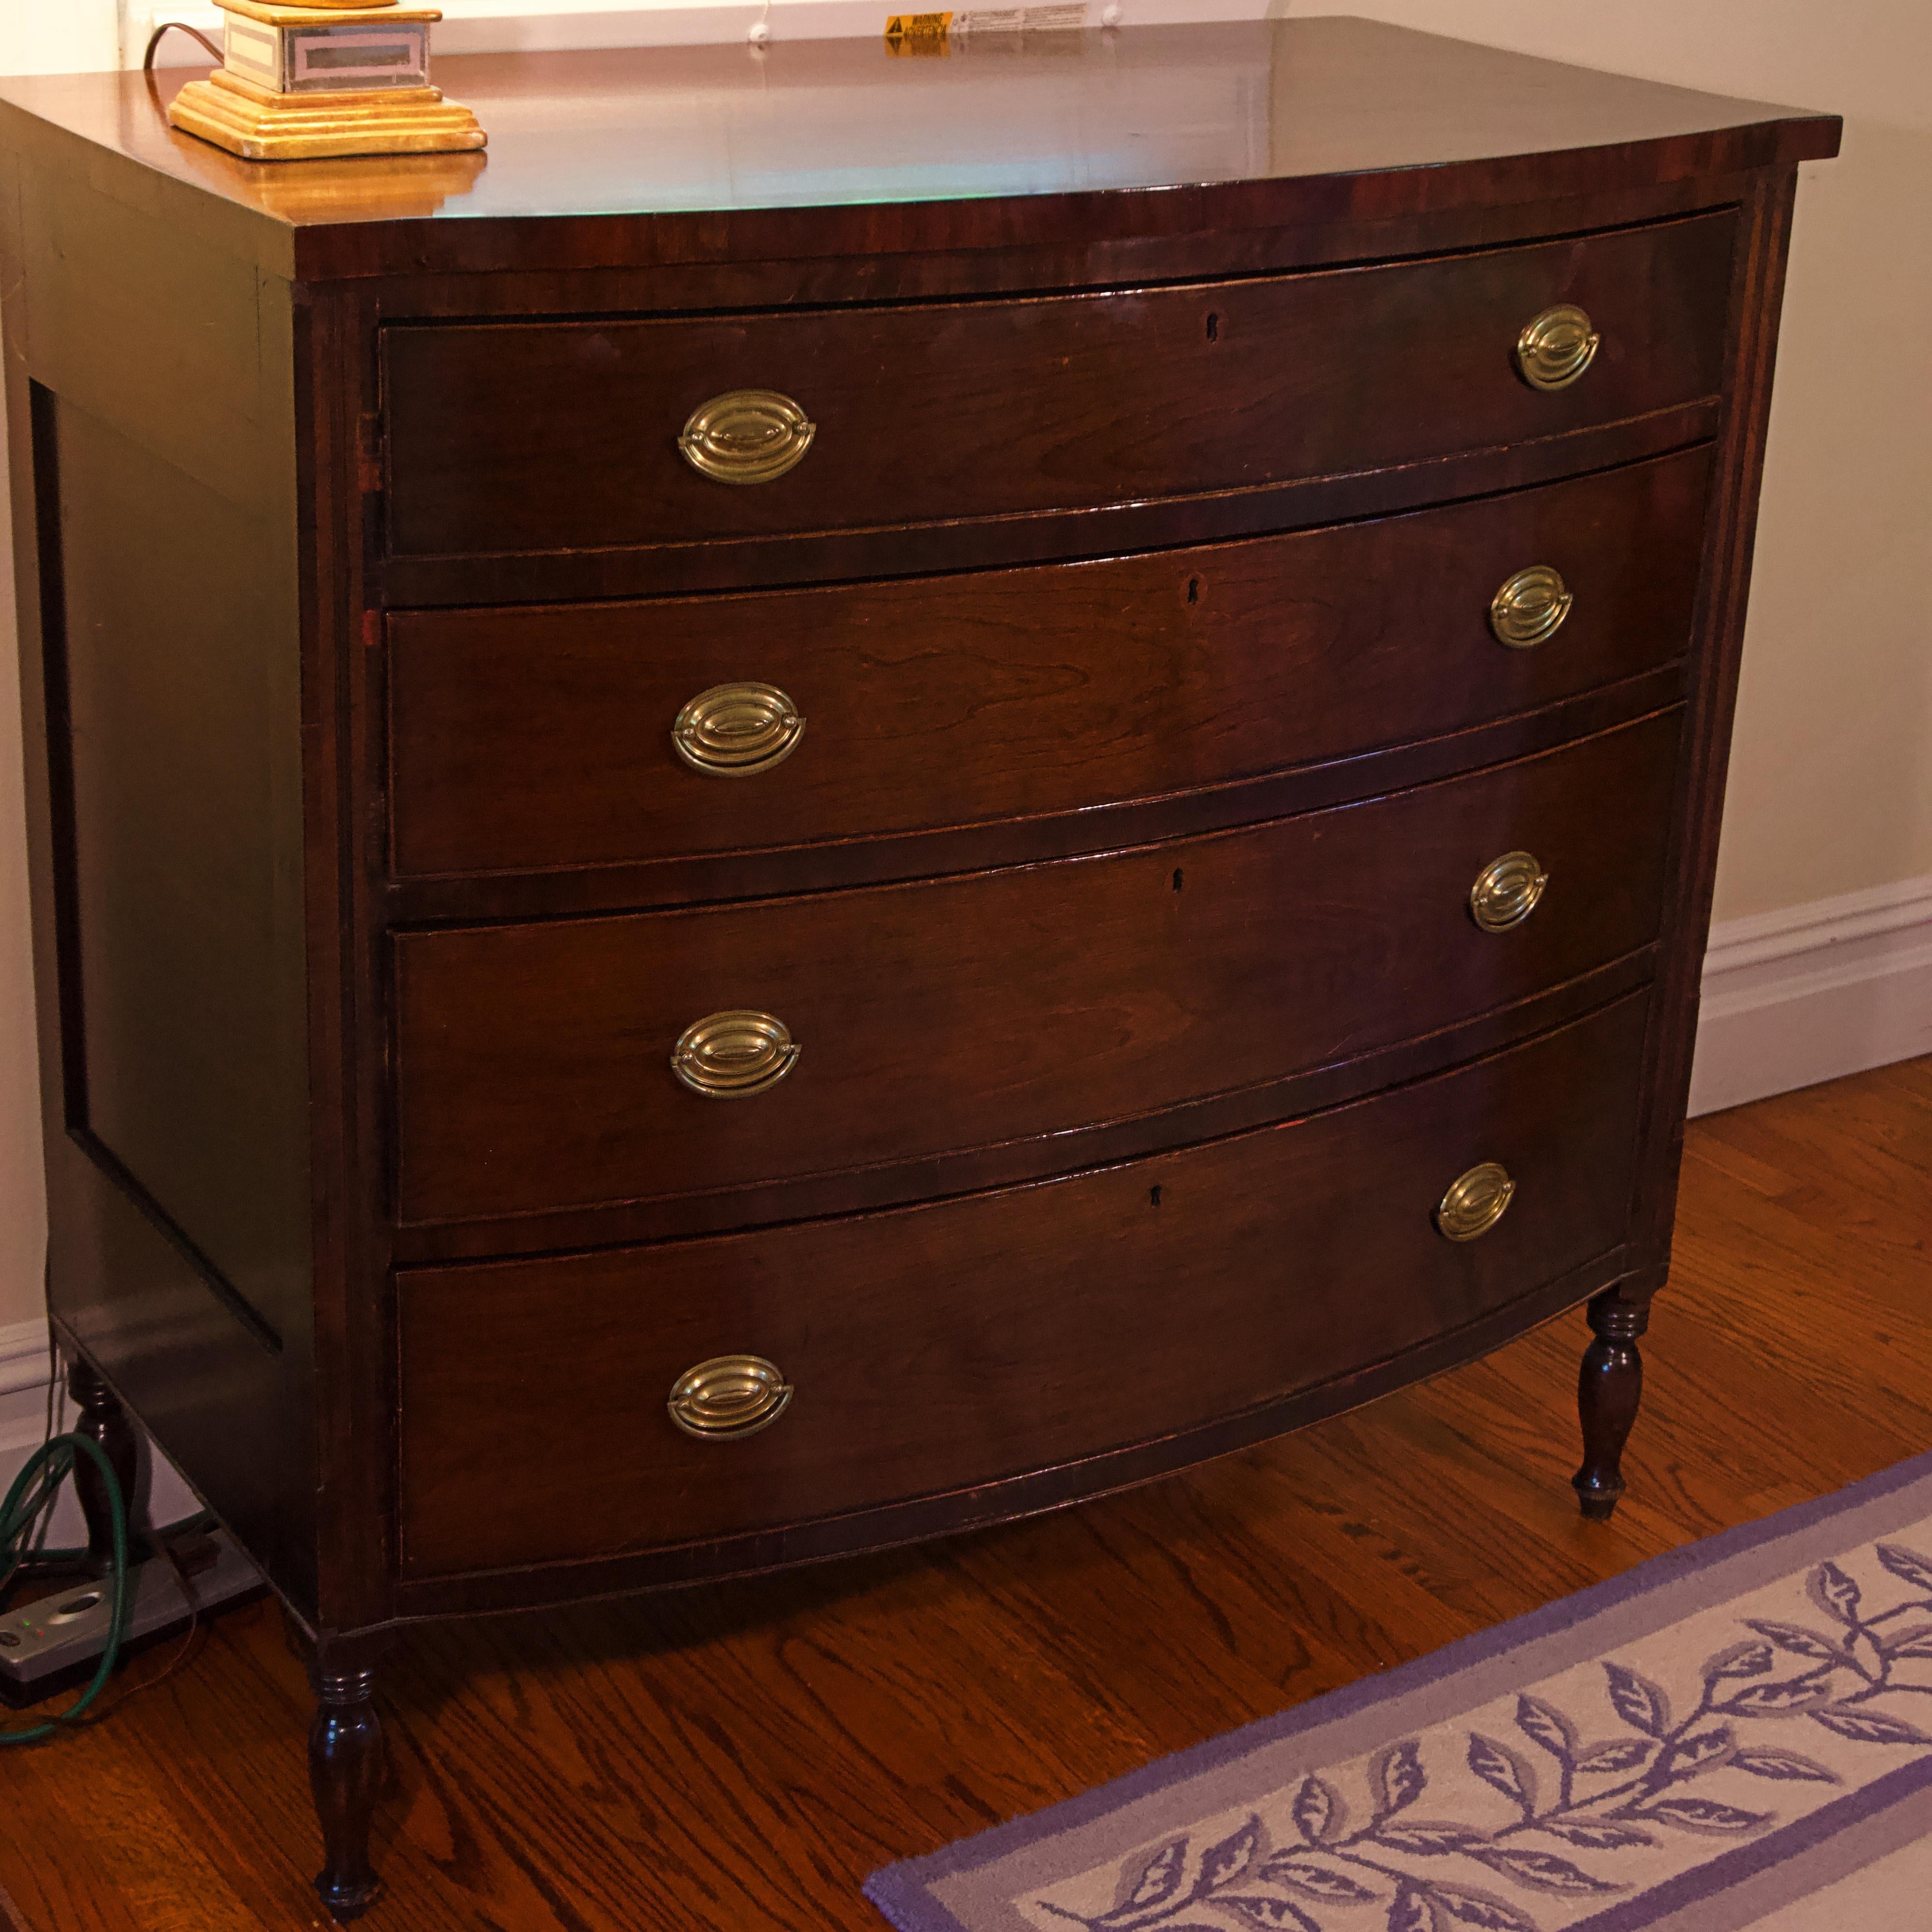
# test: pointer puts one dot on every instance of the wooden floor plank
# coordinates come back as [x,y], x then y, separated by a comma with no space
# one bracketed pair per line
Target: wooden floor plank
[741,1756]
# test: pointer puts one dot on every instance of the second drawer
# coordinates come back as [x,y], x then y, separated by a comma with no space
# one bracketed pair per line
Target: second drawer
[890,1024]
[526,739]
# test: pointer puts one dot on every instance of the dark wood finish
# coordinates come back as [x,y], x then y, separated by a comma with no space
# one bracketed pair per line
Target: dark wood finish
[178,995]
[946,1348]
[346,1764]
[532,740]
[533,1062]
[104,1421]
[1329,123]
[856,1189]
[750,1751]
[206,368]
[165,840]
[758,1552]
[1698,817]
[759,873]
[1040,537]
[1610,1388]
[512,437]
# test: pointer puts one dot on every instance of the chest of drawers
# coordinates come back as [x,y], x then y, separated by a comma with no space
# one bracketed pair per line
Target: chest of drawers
[742,851]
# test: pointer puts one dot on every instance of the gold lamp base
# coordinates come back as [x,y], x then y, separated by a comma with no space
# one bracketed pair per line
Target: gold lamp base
[288,89]
[260,126]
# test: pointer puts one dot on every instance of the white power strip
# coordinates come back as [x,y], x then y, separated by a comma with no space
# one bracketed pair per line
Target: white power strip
[57,1640]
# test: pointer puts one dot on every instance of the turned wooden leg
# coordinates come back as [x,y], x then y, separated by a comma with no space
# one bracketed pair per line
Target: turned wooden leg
[1608,1392]
[345,1772]
[104,1420]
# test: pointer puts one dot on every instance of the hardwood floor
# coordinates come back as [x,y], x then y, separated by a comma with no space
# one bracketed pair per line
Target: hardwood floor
[741,1757]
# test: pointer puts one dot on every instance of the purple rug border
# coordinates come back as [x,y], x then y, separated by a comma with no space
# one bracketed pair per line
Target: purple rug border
[1743,1862]
[898,1890]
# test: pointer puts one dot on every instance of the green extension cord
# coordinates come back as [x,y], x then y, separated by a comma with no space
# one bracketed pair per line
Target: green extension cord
[33,1490]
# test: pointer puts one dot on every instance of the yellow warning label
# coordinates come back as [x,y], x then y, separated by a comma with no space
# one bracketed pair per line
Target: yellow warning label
[901,28]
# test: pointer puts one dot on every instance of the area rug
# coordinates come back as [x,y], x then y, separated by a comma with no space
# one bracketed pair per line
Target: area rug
[1736,1734]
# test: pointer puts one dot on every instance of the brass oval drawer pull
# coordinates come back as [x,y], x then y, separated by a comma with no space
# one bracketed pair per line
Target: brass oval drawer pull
[733,731]
[728,1396]
[730,1056]
[1555,349]
[1506,891]
[1530,607]
[748,436]
[1475,1202]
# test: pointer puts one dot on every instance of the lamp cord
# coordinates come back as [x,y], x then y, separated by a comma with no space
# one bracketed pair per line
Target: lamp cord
[177,27]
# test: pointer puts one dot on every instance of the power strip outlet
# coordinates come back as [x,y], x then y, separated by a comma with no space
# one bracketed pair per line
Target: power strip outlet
[56,1641]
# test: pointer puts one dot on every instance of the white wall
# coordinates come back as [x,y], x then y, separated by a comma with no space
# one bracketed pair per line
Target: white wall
[1830,798]
[57,36]
[1831,788]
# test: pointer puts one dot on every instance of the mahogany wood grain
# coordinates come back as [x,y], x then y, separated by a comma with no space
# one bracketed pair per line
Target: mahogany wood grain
[515,437]
[749,1752]
[534,740]
[857,1189]
[666,569]
[533,1062]
[347,1766]
[1610,1388]
[762,872]
[826,148]
[1349,157]
[343,726]
[1697,816]
[937,1347]
[1115,256]
[169,977]
[103,1421]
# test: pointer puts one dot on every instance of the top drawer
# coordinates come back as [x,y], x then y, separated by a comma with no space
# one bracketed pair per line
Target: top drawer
[506,437]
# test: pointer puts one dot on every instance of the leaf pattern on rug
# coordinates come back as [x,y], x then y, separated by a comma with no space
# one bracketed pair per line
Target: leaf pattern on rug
[1577,1802]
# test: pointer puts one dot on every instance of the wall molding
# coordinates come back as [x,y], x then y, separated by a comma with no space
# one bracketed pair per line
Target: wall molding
[23,1357]
[1812,992]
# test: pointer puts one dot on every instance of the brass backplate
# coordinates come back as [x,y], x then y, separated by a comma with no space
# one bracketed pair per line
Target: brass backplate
[737,731]
[1530,607]
[747,435]
[728,1398]
[1475,1202]
[1506,891]
[1556,347]
[730,1056]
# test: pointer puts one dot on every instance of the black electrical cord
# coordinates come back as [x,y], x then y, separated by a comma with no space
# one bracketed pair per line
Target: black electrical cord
[177,27]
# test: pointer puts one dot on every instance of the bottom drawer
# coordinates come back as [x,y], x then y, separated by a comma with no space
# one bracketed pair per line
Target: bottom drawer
[930,1348]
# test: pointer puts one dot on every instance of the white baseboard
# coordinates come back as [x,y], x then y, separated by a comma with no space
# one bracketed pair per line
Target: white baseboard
[23,1410]
[1814,991]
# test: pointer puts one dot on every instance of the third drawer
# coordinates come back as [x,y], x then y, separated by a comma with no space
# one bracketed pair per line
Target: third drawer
[894,1023]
